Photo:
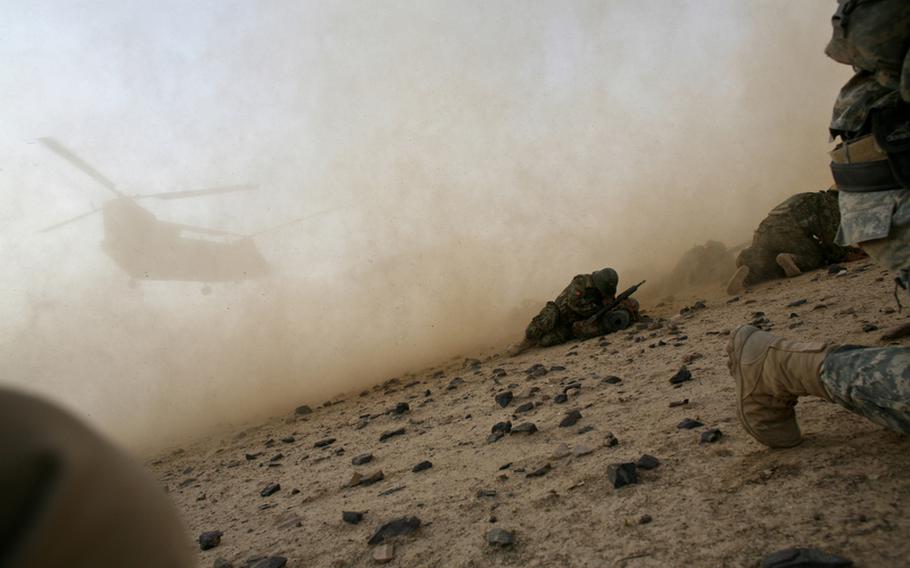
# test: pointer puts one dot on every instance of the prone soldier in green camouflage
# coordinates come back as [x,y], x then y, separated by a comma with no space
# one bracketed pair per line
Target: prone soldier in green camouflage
[871,168]
[798,235]
[566,317]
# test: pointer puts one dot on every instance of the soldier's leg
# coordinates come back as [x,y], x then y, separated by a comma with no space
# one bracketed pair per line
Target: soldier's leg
[543,323]
[585,329]
[894,253]
[70,498]
[873,382]
[771,373]
[560,334]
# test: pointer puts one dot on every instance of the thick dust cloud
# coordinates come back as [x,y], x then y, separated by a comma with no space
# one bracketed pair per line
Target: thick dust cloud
[456,164]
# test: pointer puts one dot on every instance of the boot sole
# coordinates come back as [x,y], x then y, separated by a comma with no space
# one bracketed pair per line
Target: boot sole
[744,332]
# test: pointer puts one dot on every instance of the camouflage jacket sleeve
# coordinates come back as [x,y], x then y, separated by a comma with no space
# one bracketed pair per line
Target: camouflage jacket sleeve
[580,298]
[873,37]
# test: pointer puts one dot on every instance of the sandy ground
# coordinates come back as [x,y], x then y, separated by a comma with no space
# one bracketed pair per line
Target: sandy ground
[846,489]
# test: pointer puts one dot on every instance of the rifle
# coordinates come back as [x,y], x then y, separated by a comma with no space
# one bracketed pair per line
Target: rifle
[618,300]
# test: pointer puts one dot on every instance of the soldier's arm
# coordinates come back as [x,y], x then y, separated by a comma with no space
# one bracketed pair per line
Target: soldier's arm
[577,299]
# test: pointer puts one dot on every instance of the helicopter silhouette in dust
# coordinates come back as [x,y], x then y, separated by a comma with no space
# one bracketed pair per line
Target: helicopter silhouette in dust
[148,248]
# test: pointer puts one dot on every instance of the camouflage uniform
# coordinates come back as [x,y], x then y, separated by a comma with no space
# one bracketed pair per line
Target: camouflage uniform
[873,37]
[580,300]
[873,382]
[700,266]
[805,225]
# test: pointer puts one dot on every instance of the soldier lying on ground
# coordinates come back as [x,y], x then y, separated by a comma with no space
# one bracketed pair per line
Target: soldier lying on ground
[567,316]
[797,236]
[871,167]
[70,498]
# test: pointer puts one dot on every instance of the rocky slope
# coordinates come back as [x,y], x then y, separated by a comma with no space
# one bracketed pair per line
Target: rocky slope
[279,490]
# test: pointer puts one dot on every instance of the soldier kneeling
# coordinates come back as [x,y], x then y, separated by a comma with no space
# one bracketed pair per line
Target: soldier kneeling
[568,316]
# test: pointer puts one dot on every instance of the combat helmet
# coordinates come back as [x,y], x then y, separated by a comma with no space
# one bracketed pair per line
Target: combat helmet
[605,281]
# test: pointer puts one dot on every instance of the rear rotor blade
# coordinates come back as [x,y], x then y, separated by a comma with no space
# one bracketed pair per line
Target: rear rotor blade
[79,163]
[68,221]
[196,192]
[294,221]
[205,230]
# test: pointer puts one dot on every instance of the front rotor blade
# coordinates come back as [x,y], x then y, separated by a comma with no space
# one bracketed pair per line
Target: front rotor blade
[68,221]
[79,163]
[196,192]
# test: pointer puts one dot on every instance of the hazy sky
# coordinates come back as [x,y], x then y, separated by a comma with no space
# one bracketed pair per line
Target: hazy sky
[539,139]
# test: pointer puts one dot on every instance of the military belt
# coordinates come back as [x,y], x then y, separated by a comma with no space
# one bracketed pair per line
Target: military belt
[860,166]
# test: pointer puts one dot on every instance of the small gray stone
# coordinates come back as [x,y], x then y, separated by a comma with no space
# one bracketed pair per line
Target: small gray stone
[267,562]
[541,471]
[681,376]
[572,417]
[384,553]
[391,434]
[804,558]
[500,537]
[210,539]
[393,528]
[524,428]
[504,398]
[622,474]
[582,450]
[689,424]
[711,436]
[270,489]
[647,461]
[362,459]
[352,517]
[561,451]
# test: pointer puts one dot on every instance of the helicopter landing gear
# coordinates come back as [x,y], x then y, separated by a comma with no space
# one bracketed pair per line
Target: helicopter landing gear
[206,290]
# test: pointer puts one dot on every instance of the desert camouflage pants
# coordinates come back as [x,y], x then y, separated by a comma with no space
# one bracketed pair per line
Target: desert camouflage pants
[871,381]
[875,381]
[70,498]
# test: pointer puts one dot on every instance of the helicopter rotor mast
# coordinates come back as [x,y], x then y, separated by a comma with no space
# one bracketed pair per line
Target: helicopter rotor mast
[77,162]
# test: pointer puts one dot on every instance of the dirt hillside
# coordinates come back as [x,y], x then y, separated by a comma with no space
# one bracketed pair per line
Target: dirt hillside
[729,502]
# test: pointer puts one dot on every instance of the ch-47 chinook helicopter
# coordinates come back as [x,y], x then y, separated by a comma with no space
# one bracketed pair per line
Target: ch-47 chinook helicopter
[148,248]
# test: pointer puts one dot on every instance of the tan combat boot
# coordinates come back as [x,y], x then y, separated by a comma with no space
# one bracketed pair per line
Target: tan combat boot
[788,263]
[770,374]
[519,348]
